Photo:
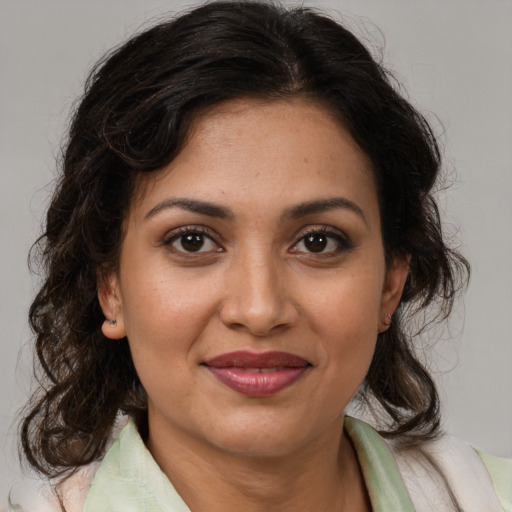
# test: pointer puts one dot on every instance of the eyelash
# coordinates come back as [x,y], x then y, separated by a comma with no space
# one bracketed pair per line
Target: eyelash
[340,239]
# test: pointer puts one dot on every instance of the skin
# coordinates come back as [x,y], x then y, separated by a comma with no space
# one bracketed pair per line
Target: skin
[255,285]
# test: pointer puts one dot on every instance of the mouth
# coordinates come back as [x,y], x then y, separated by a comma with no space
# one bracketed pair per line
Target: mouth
[257,375]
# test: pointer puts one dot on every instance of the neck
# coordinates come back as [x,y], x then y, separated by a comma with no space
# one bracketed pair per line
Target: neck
[323,475]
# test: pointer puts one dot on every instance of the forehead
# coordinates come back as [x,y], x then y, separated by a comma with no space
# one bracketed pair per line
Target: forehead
[251,151]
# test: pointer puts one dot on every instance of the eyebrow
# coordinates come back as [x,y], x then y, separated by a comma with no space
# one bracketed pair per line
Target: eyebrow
[323,205]
[192,205]
[221,212]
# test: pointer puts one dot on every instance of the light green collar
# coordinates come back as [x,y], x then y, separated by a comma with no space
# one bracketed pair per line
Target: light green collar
[380,471]
[500,471]
[129,479]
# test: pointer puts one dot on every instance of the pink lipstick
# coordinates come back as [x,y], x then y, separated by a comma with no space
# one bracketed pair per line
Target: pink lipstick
[257,375]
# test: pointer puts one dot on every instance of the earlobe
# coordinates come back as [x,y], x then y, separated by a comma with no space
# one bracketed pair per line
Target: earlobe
[112,307]
[393,287]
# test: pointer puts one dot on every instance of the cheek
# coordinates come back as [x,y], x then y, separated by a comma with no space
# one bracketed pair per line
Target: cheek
[346,317]
[161,340]
[347,302]
[164,314]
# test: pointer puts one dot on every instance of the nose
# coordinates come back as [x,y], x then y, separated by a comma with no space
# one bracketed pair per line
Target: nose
[258,297]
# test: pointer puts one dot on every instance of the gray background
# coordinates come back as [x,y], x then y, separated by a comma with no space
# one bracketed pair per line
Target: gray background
[454,59]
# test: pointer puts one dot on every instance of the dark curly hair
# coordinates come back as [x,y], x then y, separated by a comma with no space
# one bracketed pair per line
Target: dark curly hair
[138,106]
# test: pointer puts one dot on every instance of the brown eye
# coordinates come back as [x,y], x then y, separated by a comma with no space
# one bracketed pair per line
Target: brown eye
[192,241]
[316,242]
[321,242]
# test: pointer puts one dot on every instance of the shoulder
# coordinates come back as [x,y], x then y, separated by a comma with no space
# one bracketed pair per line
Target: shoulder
[472,479]
[500,471]
[441,474]
[33,494]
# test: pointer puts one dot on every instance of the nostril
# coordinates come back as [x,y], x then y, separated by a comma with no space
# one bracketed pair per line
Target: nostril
[237,326]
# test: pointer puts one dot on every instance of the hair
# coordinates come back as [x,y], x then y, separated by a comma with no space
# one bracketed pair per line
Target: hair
[139,104]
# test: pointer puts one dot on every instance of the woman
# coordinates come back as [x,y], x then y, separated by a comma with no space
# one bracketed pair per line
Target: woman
[241,235]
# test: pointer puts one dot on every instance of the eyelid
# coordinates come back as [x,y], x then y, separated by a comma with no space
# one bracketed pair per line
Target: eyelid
[328,230]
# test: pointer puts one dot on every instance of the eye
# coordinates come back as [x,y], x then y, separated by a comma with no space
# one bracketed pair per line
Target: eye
[192,241]
[321,241]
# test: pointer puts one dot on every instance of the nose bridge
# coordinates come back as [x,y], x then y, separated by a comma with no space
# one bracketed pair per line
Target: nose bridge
[262,283]
[256,297]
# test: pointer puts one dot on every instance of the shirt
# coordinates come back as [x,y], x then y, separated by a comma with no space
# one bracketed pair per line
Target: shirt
[421,479]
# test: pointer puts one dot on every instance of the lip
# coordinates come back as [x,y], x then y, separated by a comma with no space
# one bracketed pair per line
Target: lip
[257,374]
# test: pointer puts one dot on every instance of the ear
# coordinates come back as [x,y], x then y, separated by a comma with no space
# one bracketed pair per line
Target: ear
[111,304]
[392,291]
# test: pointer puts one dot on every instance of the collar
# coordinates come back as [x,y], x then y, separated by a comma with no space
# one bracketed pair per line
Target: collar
[129,479]
[380,471]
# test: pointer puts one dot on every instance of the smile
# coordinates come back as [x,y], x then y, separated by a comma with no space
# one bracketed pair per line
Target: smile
[257,375]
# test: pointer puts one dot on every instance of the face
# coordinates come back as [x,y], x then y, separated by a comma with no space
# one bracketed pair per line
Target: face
[252,282]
